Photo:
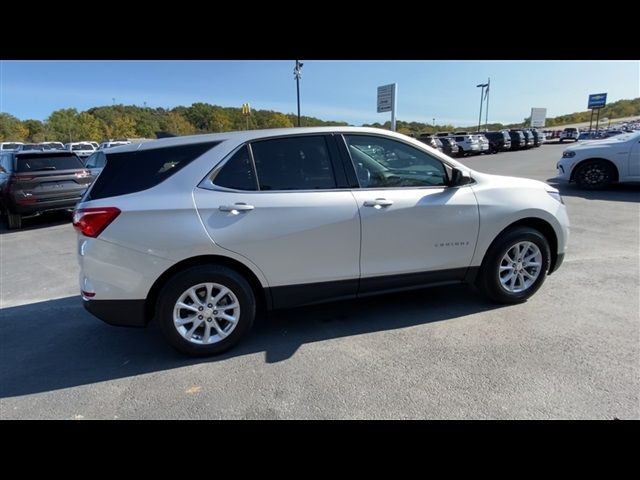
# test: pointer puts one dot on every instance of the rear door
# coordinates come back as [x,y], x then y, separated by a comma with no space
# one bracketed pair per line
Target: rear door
[283,203]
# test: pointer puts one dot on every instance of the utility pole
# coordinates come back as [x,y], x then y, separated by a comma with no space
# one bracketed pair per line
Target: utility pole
[482,85]
[297,73]
[486,117]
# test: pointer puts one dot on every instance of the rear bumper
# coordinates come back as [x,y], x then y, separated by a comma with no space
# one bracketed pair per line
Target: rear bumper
[45,206]
[121,313]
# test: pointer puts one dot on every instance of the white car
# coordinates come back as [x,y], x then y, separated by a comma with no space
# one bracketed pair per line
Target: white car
[598,163]
[82,149]
[570,134]
[115,143]
[197,232]
[467,143]
[10,146]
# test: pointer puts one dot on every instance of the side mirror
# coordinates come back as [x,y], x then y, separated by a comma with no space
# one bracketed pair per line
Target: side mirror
[459,178]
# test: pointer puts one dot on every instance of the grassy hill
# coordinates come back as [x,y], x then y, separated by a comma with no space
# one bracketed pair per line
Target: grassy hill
[126,121]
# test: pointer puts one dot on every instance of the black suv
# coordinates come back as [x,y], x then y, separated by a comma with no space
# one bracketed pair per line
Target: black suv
[536,137]
[518,140]
[498,141]
[449,146]
[32,182]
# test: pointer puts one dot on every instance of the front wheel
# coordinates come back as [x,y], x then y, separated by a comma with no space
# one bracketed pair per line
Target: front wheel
[515,265]
[206,310]
[594,175]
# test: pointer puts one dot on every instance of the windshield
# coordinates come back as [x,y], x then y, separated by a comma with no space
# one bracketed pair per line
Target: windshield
[82,146]
[34,163]
[10,146]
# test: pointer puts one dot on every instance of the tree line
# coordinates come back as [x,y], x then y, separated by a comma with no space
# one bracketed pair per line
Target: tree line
[130,121]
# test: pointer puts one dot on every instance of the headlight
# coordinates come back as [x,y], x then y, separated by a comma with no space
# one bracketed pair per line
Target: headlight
[568,154]
[556,195]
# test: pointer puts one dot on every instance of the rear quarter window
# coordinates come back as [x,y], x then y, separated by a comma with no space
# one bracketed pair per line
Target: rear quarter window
[130,172]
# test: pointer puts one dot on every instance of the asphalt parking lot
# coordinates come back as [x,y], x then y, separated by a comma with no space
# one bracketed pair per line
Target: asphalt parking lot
[572,351]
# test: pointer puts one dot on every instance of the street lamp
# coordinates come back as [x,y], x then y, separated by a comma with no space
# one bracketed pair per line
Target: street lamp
[297,73]
[482,85]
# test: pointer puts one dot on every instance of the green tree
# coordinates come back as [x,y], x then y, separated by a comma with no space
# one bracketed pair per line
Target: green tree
[12,129]
[89,128]
[278,120]
[63,125]
[123,127]
[220,121]
[178,125]
[36,130]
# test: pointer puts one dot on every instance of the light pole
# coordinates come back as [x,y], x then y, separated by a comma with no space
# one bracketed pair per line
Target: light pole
[481,100]
[434,125]
[486,114]
[297,73]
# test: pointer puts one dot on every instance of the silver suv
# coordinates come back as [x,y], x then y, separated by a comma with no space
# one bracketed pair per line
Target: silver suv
[199,232]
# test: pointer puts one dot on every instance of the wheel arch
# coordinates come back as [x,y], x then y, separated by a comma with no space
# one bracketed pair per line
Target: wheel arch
[582,162]
[539,224]
[263,299]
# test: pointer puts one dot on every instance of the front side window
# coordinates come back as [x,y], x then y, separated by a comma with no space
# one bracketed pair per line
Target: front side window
[96,160]
[237,173]
[293,163]
[385,163]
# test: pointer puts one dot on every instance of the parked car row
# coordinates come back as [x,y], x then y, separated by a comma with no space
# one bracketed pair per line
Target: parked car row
[461,144]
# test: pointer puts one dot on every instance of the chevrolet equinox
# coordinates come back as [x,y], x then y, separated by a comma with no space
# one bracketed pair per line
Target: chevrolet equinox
[196,232]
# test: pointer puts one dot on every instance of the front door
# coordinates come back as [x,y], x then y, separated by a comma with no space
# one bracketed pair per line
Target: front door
[278,204]
[415,229]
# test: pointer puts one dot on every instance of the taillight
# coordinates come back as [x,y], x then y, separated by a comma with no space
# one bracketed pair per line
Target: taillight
[83,174]
[92,221]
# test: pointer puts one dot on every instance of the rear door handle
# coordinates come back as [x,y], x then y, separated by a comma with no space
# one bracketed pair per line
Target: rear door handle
[378,203]
[236,208]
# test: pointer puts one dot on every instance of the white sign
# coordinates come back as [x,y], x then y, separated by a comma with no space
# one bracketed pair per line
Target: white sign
[538,117]
[386,94]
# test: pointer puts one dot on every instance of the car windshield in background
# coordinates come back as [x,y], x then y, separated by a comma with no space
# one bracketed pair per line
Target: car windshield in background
[34,163]
[10,146]
[82,146]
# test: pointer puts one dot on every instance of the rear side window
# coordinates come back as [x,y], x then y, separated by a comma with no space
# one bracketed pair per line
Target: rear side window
[130,172]
[294,163]
[237,173]
[35,163]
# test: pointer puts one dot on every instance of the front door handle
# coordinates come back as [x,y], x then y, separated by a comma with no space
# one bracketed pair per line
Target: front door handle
[378,203]
[236,208]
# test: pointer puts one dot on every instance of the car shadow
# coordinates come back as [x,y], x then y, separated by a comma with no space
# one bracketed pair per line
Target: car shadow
[47,219]
[57,344]
[619,192]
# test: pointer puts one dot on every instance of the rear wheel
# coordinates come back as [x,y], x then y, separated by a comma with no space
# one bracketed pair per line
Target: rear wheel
[206,310]
[515,265]
[14,220]
[460,152]
[594,175]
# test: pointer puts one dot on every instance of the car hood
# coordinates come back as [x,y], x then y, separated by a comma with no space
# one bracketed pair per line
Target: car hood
[511,182]
[600,143]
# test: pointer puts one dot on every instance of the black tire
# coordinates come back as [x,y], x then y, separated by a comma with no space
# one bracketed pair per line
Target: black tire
[594,175]
[14,220]
[460,152]
[488,278]
[561,140]
[182,281]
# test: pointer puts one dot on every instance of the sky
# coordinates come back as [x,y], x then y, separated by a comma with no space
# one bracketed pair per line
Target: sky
[331,90]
